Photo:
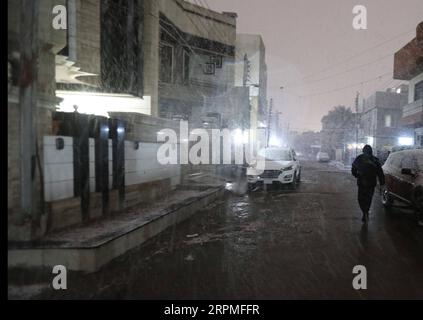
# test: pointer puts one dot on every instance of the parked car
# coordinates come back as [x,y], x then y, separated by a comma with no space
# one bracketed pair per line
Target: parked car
[323,157]
[281,165]
[404,179]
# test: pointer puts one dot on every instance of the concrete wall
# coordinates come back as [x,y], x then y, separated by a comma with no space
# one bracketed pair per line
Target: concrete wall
[88,38]
[253,46]
[58,169]
[145,178]
[234,107]
[199,21]
[196,21]
[21,225]
[141,165]
[151,36]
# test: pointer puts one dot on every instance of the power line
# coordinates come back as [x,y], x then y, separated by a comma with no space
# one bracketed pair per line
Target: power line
[348,70]
[346,87]
[354,56]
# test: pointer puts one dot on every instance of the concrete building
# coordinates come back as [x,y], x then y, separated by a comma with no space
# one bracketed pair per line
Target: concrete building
[83,121]
[179,58]
[251,72]
[380,118]
[194,51]
[408,65]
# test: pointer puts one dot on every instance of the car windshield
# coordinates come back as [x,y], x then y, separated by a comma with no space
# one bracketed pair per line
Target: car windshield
[276,155]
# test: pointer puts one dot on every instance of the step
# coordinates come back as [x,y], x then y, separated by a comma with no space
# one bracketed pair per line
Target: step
[90,247]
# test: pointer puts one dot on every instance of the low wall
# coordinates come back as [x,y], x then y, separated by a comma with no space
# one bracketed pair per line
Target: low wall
[145,178]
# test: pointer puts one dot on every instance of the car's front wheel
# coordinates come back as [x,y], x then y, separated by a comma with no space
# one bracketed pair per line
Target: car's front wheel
[387,199]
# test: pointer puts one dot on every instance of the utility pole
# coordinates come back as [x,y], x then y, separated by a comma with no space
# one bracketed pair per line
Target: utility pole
[269,121]
[356,122]
[247,69]
[28,100]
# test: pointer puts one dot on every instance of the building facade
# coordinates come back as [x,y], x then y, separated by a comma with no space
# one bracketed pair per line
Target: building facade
[84,120]
[195,58]
[251,72]
[408,65]
[380,118]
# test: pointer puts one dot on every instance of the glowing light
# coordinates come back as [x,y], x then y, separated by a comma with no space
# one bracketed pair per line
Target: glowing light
[101,103]
[354,145]
[405,141]
[240,137]
[275,142]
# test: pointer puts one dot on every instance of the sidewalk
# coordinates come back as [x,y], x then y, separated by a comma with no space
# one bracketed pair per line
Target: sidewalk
[89,247]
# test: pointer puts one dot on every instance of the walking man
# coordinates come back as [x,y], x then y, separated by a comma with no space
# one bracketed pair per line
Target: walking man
[367,169]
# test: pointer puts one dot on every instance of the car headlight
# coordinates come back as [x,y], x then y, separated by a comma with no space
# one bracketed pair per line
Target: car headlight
[287,168]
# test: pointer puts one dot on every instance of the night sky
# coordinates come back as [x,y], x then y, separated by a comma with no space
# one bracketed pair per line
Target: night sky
[312,50]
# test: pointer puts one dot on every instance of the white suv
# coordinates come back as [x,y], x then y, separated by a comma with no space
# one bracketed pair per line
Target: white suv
[281,166]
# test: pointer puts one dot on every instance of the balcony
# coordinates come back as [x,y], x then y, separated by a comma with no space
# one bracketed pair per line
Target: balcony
[412,114]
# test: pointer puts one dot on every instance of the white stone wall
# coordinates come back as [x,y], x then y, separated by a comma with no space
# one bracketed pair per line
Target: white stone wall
[142,166]
[58,169]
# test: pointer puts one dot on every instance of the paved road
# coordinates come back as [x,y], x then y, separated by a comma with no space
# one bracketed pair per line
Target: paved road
[277,244]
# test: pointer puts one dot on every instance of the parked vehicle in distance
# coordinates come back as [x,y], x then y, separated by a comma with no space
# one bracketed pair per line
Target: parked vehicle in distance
[281,166]
[404,179]
[323,157]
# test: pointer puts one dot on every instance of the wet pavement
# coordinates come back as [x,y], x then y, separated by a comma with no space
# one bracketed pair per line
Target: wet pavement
[278,244]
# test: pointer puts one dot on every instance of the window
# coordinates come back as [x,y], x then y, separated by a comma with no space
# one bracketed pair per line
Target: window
[418,91]
[388,120]
[166,63]
[186,68]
